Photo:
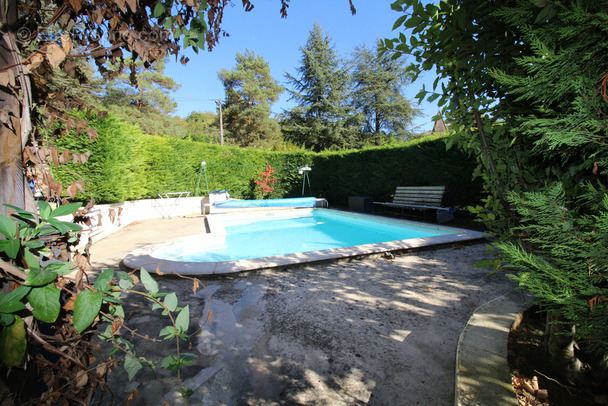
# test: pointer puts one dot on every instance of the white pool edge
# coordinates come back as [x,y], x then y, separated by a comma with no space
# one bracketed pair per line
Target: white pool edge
[142,256]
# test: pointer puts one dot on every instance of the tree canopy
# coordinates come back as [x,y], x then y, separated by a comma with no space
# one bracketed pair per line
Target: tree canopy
[151,93]
[379,80]
[250,92]
[322,118]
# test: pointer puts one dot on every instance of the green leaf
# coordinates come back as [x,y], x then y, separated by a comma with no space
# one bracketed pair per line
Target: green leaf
[39,277]
[187,358]
[413,22]
[103,279]
[159,9]
[399,21]
[63,226]
[167,333]
[149,283]
[132,365]
[44,209]
[13,342]
[186,392]
[117,311]
[433,97]
[170,363]
[86,309]
[34,244]
[8,228]
[170,301]
[10,247]
[65,209]
[124,280]
[61,268]
[182,321]
[30,259]
[20,212]
[45,301]
[397,6]
[11,302]
[6,319]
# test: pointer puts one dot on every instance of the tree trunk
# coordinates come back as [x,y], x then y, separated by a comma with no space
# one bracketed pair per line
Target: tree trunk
[15,108]
[559,346]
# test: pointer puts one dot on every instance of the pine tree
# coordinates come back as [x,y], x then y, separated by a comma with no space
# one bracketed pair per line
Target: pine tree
[250,92]
[322,118]
[152,93]
[379,81]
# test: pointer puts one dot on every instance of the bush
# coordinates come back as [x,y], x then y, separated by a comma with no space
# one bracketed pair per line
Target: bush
[126,164]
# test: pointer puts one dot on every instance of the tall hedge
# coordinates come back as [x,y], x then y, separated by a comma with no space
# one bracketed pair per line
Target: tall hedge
[126,164]
[376,172]
[116,169]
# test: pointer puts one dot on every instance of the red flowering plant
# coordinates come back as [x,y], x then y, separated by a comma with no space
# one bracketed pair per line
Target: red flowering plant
[264,185]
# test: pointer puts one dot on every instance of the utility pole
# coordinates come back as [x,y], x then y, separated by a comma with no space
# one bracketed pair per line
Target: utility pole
[219,103]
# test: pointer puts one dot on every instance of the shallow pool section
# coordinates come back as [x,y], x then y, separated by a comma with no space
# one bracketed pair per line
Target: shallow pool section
[247,241]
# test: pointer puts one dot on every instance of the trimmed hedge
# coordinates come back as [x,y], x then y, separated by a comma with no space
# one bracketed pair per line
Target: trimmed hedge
[126,164]
[376,172]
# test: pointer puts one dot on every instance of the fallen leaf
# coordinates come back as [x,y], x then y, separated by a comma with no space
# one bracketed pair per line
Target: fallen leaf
[81,378]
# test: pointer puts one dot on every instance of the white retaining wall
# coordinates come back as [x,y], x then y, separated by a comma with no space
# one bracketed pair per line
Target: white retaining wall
[108,218]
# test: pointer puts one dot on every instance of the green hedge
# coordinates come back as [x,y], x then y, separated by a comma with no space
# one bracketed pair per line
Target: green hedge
[126,164]
[376,172]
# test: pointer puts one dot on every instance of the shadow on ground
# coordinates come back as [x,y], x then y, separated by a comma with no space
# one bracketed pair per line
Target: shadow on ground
[369,331]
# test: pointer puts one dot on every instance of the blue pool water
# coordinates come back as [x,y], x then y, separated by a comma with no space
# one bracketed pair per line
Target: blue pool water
[317,230]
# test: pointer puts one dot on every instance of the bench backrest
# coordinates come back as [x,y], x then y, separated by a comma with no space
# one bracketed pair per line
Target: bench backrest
[419,195]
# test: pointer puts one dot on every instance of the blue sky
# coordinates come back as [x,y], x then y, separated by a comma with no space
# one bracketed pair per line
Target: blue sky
[278,41]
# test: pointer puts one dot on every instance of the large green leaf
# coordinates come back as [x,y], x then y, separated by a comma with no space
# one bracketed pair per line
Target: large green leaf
[61,268]
[149,283]
[11,302]
[103,279]
[86,309]
[170,301]
[124,280]
[45,303]
[20,212]
[10,247]
[65,209]
[132,365]
[39,277]
[45,209]
[182,321]
[31,260]
[7,227]
[58,225]
[13,342]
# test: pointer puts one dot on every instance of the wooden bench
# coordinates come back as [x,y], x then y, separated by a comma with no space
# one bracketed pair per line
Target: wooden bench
[421,198]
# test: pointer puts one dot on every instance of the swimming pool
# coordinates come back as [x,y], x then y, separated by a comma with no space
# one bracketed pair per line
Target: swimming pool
[248,237]
[247,241]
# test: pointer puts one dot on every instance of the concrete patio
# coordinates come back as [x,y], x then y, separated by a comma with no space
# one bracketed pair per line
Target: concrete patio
[377,330]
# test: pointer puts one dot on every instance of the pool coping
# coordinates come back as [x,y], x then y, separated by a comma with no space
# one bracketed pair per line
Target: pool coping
[142,256]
